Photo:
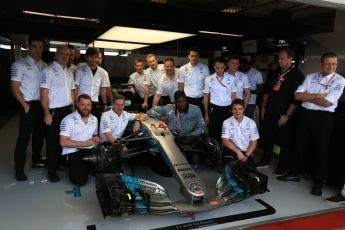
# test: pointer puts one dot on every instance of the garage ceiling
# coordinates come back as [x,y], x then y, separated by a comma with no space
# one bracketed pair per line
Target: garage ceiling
[252,18]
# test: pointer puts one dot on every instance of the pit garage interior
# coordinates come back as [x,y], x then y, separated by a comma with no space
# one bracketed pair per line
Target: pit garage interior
[253,29]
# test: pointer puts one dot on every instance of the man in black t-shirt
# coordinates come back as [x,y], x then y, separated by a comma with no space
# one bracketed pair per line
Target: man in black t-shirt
[277,107]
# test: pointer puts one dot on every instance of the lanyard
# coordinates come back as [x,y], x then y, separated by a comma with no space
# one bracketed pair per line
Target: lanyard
[179,123]
[280,79]
[328,84]
[220,81]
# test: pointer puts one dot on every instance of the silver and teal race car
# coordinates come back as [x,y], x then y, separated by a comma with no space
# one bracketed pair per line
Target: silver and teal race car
[127,182]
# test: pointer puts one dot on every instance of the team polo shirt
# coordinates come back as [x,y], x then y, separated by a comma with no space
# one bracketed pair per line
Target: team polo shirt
[72,68]
[28,73]
[138,81]
[114,124]
[74,127]
[332,85]
[220,89]
[168,87]
[193,78]
[241,83]
[59,81]
[255,79]
[153,77]
[241,134]
[90,83]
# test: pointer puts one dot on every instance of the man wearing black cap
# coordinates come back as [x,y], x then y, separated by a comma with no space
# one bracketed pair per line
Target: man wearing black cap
[181,117]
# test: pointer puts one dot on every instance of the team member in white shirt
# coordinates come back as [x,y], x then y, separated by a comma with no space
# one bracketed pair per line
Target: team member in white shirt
[78,133]
[25,86]
[109,89]
[71,67]
[219,92]
[154,74]
[191,78]
[137,79]
[168,84]
[70,64]
[241,80]
[256,86]
[114,122]
[240,135]
[57,100]
[91,79]
[319,94]
[77,59]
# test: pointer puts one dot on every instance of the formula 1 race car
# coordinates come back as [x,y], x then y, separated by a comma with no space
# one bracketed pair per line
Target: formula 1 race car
[184,189]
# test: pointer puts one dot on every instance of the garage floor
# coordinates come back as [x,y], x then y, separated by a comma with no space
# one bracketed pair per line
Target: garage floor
[38,204]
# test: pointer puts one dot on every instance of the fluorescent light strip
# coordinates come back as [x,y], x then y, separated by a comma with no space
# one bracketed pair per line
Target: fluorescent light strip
[67,43]
[159,1]
[7,47]
[138,35]
[219,33]
[61,16]
[116,45]
[110,53]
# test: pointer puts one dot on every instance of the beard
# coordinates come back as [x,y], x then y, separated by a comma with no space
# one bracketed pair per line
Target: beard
[84,113]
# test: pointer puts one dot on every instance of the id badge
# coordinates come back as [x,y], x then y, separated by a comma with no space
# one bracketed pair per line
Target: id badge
[276,87]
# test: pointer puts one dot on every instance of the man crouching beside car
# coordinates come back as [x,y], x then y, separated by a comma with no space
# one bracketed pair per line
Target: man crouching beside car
[78,134]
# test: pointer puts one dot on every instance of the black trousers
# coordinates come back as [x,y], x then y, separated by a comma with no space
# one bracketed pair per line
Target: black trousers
[149,102]
[250,110]
[136,99]
[53,137]
[198,102]
[164,100]
[78,169]
[274,134]
[96,111]
[229,155]
[29,123]
[316,127]
[217,115]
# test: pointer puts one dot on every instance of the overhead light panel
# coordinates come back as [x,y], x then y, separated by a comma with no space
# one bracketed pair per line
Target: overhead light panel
[61,16]
[138,35]
[335,4]
[116,45]
[219,33]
